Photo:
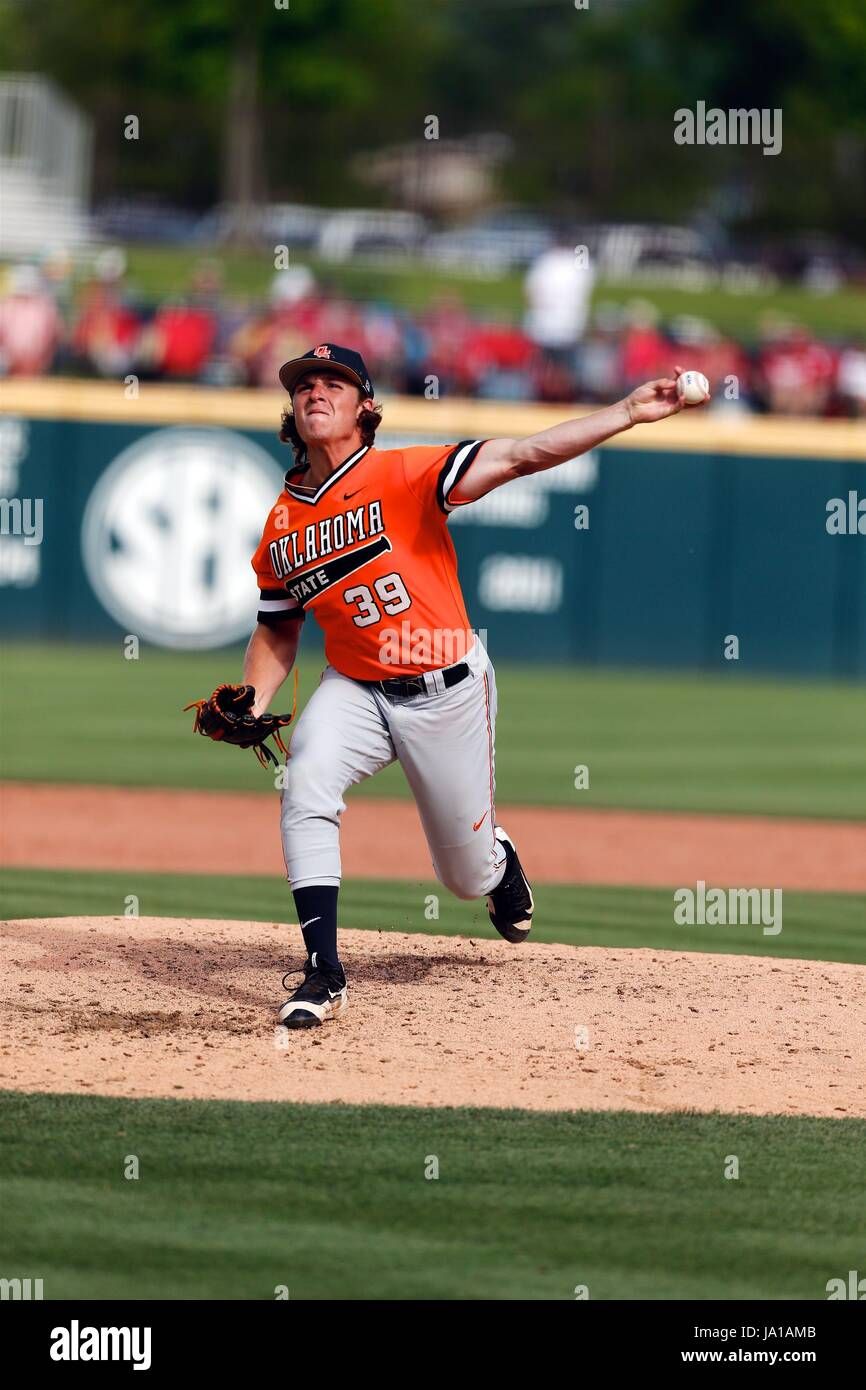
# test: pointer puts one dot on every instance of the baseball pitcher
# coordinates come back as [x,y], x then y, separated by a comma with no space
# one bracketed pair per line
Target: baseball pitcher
[359,536]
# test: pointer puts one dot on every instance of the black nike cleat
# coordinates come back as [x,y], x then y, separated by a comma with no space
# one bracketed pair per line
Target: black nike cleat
[510,904]
[323,995]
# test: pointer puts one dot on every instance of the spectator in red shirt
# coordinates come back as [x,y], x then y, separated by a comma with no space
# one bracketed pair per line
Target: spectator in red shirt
[798,373]
[106,333]
[501,359]
[179,341]
[722,361]
[646,352]
[448,328]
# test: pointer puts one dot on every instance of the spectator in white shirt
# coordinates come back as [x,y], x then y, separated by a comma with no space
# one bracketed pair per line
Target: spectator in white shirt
[851,378]
[30,325]
[558,293]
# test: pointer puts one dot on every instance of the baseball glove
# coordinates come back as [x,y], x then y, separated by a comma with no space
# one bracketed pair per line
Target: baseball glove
[225,717]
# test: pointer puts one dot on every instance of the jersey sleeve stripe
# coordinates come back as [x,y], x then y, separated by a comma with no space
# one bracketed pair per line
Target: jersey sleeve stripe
[275,602]
[275,619]
[275,605]
[456,464]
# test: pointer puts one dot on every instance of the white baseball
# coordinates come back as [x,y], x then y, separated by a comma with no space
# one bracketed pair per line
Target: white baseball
[693,387]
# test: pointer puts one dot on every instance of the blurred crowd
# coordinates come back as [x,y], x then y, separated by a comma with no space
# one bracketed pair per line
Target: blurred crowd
[569,346]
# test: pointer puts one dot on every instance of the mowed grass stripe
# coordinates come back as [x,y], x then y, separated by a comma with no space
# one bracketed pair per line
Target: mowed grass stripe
[815,926]
[413,284]
[234,1199]
[653,741]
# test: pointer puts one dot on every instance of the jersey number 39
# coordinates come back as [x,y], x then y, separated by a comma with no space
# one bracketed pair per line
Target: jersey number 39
[391,593]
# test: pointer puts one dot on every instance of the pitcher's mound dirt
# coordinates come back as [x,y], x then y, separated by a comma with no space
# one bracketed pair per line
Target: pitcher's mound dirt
[164,1007]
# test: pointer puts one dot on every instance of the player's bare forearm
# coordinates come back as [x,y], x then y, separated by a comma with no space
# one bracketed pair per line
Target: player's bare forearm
[501,460]
[566,441]
[269,657]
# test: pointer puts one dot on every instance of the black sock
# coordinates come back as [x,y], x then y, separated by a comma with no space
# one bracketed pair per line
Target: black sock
[316,906]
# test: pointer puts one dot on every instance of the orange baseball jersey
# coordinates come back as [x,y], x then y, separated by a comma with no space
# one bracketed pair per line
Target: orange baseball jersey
[370,555]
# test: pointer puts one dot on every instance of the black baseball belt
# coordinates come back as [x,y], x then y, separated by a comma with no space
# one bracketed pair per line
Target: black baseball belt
[406,686]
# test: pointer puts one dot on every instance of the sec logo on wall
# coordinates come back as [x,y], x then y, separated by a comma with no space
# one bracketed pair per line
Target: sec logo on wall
[168,533]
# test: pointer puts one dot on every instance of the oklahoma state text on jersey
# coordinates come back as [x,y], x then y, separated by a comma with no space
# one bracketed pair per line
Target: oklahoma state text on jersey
[370,555]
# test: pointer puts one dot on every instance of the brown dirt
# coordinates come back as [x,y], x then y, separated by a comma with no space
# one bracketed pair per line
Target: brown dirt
[79,827]
[148,1007]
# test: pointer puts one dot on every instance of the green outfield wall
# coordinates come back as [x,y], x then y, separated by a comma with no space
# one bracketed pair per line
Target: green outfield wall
[138,517]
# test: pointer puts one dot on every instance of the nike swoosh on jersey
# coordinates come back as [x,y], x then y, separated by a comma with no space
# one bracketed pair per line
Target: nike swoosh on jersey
[476,825]
[347,495]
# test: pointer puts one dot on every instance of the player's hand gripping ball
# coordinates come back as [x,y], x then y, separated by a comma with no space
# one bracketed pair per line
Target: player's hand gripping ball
[693,388]
[226,717]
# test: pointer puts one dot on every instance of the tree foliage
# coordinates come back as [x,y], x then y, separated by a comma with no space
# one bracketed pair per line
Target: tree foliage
[587,96]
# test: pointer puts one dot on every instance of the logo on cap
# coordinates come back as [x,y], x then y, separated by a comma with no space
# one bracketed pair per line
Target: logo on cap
[322,350]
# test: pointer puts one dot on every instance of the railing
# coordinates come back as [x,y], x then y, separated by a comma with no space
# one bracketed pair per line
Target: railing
[43,136]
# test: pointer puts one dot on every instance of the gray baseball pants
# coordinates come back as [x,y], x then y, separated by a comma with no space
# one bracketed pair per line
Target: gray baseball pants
[444,742]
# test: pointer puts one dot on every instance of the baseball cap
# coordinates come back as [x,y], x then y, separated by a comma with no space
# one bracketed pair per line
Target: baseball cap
[332,358]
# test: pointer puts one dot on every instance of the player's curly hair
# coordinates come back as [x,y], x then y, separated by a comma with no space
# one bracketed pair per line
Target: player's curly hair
[368,421]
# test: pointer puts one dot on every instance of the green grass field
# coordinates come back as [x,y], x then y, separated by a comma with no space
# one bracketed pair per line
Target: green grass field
[234,1200]
[815,926]
[158,271]
[661,742]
